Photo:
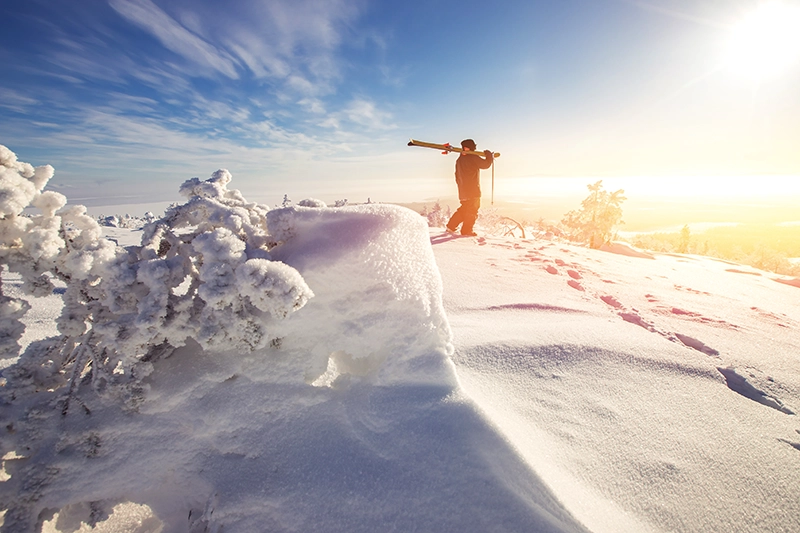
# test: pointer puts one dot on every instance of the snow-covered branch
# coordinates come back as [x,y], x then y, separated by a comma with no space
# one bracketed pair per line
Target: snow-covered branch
[202,271]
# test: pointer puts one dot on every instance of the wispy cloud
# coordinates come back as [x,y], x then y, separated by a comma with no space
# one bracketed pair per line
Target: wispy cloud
[295,41]
[362,113]
[290,40]
[175,37]
[313,105]
[15,100]
[366,113]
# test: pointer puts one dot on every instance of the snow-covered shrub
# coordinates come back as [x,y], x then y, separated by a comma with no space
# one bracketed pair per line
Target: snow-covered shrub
[111,221]
[126,221]
[216,247]
[311,202]
[201,272]
[28,245]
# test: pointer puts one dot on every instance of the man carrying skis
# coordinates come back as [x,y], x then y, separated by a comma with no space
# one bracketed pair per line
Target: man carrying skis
[468,178]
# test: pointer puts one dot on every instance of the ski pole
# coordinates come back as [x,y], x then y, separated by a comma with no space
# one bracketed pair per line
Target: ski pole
[493,181]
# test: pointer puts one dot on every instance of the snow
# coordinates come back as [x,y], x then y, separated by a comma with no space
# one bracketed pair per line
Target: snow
[633,397]
[419,381]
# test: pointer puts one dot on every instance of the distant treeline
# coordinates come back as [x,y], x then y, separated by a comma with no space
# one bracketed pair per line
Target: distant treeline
[765,246]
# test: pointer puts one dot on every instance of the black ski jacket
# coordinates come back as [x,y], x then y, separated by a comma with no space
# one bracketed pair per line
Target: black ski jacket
[468,175]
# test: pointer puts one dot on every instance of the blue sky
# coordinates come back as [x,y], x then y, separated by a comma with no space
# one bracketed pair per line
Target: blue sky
[128,98]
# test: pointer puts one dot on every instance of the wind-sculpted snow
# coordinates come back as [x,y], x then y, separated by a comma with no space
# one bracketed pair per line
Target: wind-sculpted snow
[387,295]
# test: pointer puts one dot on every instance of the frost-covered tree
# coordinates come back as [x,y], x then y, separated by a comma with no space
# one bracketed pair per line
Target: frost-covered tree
[437,216]
[594,222]
[685,239]
[202,272]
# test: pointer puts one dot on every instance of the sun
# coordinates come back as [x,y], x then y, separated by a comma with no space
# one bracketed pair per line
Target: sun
[765,43]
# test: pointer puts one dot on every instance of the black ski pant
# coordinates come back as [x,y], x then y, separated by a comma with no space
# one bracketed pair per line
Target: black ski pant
[466,215]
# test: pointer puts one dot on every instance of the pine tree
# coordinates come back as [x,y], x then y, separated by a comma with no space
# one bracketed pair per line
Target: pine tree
[594,222]
[683,245]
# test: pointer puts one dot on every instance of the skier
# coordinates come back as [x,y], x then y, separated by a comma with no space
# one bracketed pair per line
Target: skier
[468,178]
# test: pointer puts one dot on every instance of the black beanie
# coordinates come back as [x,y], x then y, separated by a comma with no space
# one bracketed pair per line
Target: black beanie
[469,144]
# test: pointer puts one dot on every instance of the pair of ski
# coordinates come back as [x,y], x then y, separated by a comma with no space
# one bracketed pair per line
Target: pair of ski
[446,148]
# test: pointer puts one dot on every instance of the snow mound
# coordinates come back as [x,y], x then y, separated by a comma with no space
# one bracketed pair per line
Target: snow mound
[381,282]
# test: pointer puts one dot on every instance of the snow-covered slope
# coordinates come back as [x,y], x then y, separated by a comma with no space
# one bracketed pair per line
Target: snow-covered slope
[650,392]
[446,384]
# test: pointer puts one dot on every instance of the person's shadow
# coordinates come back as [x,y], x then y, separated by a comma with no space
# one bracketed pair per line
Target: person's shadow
[444,237]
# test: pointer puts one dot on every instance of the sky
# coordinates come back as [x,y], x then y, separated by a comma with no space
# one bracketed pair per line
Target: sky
[129,98]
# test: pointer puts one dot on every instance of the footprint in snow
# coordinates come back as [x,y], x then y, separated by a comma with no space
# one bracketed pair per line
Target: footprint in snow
[551,269]
[779,320]
[696,344]
[575,285]
[574,274]
[613,302]
[634,318]
[693,291]
[738,383]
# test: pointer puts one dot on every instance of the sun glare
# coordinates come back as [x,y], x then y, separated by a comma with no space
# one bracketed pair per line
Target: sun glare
[766,42]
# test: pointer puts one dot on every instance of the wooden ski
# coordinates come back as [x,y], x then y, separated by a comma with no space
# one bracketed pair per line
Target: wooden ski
[446,148]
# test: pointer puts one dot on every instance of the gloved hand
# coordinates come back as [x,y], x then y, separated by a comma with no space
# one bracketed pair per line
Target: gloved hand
[488,153]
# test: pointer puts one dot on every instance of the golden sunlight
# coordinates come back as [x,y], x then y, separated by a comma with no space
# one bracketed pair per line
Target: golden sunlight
[766,42]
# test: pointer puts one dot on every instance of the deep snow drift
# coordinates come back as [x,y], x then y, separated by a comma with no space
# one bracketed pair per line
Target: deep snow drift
[436,383]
